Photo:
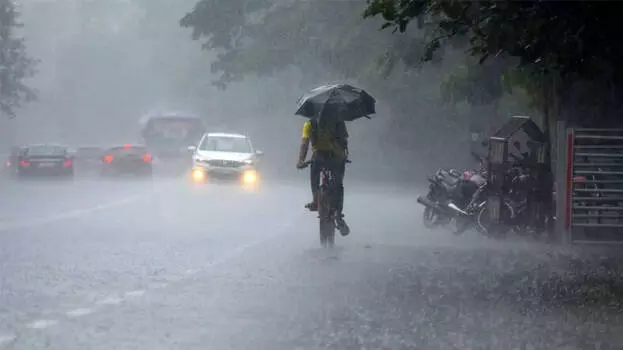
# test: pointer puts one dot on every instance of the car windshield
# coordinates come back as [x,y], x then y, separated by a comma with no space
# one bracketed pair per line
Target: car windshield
[45,150]
[225,144]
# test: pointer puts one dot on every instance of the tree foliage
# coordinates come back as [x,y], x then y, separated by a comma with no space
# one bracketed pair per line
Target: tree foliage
[556,43]
[478,84]
[15,64]
[262,37]
[326,40]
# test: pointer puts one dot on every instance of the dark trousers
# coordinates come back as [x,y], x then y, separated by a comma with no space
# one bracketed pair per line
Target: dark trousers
[338,167]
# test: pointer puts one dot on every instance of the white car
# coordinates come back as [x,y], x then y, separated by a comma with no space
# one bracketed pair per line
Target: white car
[225,155]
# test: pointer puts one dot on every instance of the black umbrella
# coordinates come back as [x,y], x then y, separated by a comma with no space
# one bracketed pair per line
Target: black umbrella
[340,101]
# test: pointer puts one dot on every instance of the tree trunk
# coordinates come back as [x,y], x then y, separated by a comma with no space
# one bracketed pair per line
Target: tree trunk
[551,114]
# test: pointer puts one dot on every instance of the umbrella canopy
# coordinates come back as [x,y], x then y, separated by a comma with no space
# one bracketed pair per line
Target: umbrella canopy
[339,101]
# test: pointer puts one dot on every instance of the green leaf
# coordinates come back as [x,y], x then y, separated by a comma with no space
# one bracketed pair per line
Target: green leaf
[16,65]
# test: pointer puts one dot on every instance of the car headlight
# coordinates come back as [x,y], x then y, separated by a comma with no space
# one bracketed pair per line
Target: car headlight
[249,177]
[198,175]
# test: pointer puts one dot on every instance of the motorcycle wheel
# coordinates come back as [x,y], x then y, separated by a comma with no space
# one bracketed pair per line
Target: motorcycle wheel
[430,217]
[462,224]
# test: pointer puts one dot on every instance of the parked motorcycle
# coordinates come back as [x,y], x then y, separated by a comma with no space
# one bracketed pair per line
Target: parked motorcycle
[452,195]
[466,217]
[441,190]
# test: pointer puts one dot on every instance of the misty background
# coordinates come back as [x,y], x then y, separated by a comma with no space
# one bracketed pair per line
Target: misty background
[106,63]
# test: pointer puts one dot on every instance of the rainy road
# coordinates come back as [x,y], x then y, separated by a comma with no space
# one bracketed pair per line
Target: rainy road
[134,265]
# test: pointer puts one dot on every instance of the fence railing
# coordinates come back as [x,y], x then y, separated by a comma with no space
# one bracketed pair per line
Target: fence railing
[590,185]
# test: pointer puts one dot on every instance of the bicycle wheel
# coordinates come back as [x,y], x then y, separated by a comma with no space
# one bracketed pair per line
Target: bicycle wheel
[326,220]
[490,229]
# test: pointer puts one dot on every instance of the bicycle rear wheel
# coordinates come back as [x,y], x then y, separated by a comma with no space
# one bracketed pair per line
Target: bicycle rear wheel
[325,219]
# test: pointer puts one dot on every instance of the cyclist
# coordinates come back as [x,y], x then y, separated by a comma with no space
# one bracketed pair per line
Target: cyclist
[329,143]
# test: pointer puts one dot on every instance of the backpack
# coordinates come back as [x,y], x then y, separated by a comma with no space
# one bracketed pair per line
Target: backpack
[340,135]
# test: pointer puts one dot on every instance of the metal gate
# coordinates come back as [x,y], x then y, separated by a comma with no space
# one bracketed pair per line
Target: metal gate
[589,174]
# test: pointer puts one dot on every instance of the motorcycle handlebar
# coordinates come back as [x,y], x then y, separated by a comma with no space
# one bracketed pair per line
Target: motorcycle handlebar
[477,157]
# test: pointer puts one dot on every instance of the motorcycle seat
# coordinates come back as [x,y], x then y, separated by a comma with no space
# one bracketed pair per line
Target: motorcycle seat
[450,187]
[448,178]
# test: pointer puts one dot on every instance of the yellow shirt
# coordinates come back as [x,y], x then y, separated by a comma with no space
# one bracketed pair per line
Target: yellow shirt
[326,139]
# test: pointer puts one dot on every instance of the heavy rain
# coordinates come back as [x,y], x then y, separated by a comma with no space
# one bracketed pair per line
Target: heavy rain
[321,174]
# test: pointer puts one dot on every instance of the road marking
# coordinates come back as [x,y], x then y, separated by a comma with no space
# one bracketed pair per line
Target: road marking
[110,301]
[191,271]
[7,339]
[79,312]
[135,293]
[79,212]
[70,214]
[42,324]
[174,278]
[237,251]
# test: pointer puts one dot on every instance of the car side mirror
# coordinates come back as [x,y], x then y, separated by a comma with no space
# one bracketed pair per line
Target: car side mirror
[192,149]
[259,153]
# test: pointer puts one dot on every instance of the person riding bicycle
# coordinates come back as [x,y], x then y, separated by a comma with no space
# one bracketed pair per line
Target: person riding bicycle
[329,142]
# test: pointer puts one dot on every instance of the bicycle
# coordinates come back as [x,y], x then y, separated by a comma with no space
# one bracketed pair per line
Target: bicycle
[327,213]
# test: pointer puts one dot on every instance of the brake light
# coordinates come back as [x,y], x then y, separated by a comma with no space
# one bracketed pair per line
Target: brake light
[67,163]
[147,158]
[24,163]
[108,158]
[127,147]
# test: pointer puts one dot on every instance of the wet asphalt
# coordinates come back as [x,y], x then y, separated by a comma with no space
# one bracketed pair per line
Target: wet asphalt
[164,264]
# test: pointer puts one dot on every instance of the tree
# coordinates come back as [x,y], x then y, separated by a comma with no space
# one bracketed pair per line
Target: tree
[267,37]
[15,64]
[556,43]
[567,53]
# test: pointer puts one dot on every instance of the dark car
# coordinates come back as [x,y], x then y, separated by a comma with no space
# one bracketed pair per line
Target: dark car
[88,159]
[127,160]
[12,162]
[45,160]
